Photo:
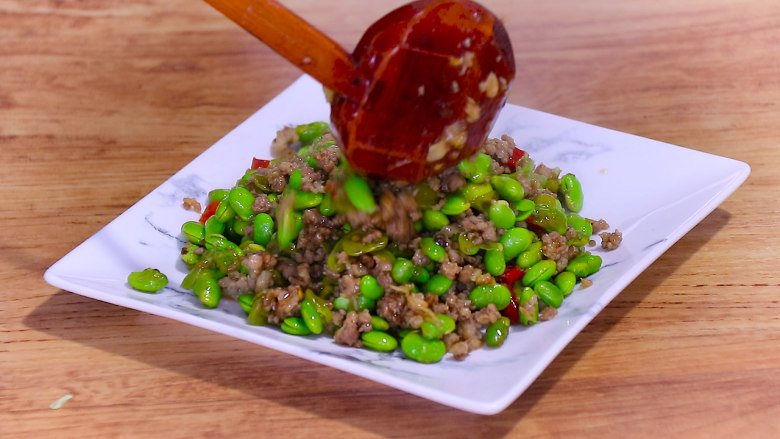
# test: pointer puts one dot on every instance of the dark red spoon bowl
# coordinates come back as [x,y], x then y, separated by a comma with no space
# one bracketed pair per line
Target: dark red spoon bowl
[421,90]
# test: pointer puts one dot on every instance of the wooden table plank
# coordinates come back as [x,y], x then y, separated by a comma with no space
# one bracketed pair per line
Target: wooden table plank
[101,101]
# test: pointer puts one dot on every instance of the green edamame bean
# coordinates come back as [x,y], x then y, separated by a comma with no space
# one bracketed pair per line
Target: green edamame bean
[332,262]
[495,262]
[403,332]
[402,271]
[326,205]
[244,180]
[219,195]
[447,323]
[258,315]
[218,241]
[288,227]
[224,212]
[538,272]
[370,287]
[582,226]
[207,289]
[238,227]
[421,275]
[263,228]
[434,220]
[273,198]
[204,267]
[528,306]
[342,303]
[432,250]
[565,281]
[306,200]
[431,330]
[501,214]
[353,245]
[496,332]
[359,194]
[438,284]
[571,191]
[150,280]
[479,195]
[364,302]
[497,294]
[245,301]
[309,132]
[298,219]
[584,265]
[189,255]
[322,307]
[213,225]
[311,318]
[515,241]
[524,208]
[548,215]
[248,246]
[296,179]
[379,324]
[305,152]
[241,201]
[379,341]
[425,196]
[466,246]
[477,168]
[295,326]
[421,349]
[530,256]
[549,293]
[193,232]
[455,205]
[507,187]
[227,259]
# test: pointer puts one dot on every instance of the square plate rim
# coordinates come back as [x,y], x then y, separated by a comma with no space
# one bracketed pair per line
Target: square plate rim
[55,276]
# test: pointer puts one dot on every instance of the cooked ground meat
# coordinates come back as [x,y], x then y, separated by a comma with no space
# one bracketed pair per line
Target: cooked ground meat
[327,158]
[282,302]
[258,261]
[262,204]
[611,241]
[353,325]
[547,313]
[478,228]
[234,285]
[391,308]
[284,138]
[555,246]
[451,180]
[191,204]
[500,149]
[599,226]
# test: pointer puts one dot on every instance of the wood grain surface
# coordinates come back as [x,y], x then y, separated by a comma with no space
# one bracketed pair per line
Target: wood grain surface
[102,100]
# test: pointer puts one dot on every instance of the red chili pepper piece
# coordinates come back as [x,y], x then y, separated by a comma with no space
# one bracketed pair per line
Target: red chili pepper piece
[211,209]
[510,276]
[517,154]
[512,311]
[260,163]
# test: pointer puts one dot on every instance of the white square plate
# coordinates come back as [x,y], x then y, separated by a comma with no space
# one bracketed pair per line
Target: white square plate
[653,192]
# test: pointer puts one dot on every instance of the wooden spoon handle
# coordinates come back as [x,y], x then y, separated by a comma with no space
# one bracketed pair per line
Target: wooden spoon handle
[296,40]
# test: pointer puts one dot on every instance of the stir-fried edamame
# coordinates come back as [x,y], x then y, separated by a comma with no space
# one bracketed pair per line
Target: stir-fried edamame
[316,256]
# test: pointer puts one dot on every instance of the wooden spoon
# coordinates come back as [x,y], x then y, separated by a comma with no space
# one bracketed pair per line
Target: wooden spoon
[419,93]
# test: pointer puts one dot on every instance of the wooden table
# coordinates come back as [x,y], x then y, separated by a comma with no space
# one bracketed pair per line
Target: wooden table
[101,101]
